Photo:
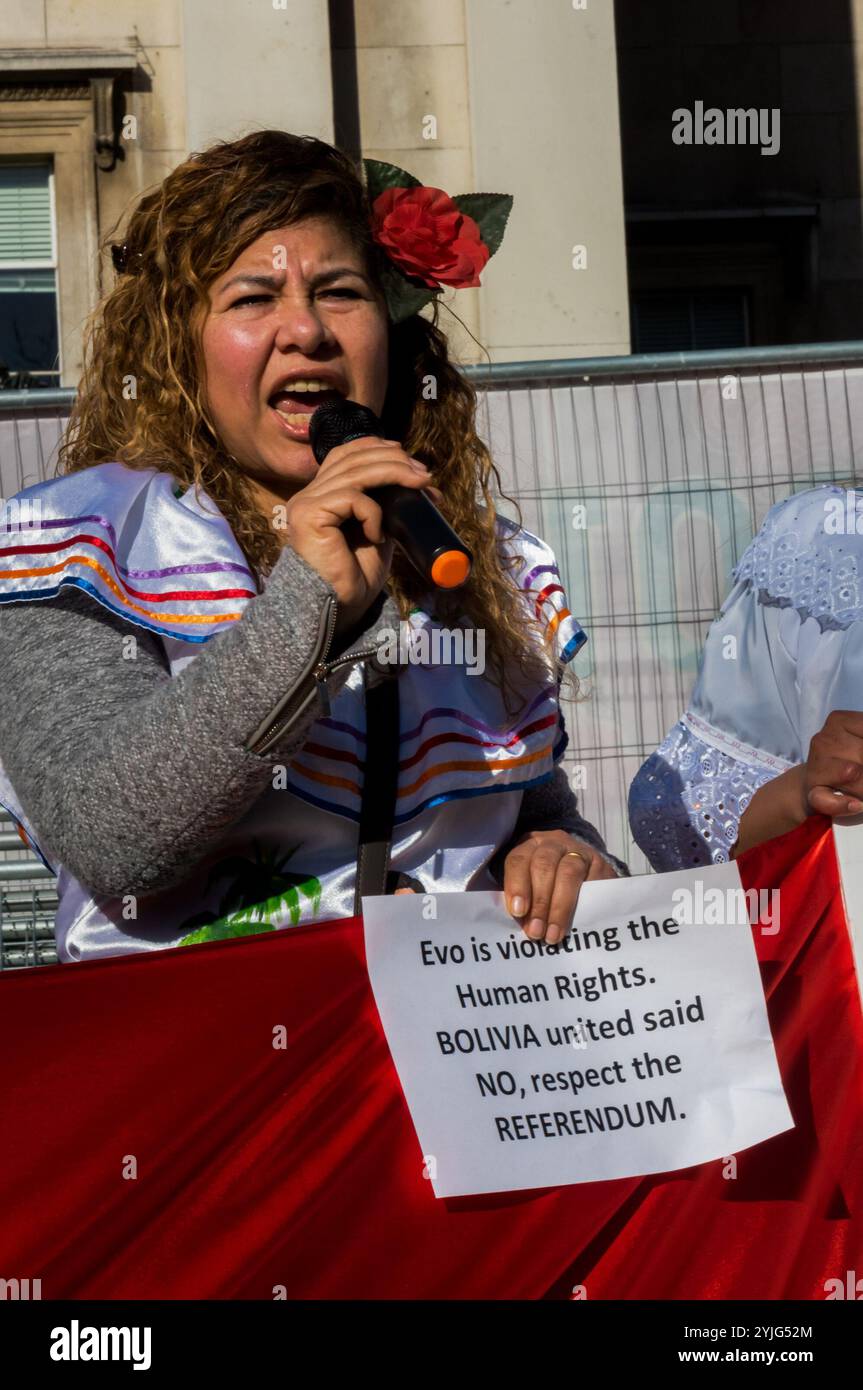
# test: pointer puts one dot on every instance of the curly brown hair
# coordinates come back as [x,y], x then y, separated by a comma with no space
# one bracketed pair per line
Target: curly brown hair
[182,236]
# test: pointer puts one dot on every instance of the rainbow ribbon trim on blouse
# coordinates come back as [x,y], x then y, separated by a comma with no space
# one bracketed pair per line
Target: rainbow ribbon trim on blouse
[445,753]
[117,533]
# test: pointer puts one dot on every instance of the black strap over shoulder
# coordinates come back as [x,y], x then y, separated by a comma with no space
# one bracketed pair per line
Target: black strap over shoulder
[380,784]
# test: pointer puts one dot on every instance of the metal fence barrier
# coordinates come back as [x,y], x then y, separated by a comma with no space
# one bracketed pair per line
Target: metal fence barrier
[648,476]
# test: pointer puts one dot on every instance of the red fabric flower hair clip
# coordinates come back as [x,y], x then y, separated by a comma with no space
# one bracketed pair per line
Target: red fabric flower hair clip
[430,240]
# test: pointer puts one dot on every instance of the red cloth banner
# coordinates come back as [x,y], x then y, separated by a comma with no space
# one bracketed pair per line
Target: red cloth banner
[262,1169]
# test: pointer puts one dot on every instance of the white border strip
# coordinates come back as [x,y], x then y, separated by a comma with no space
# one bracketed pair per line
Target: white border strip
[848,839]
[726,743]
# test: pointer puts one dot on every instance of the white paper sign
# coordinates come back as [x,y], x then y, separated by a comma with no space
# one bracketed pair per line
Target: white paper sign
[638,1045]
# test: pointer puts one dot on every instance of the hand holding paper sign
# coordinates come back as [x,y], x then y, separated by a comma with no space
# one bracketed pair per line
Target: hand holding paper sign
[543,875]
[637,1044]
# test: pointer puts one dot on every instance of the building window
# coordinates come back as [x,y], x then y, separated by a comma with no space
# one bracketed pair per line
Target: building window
[29,351]
[689,320]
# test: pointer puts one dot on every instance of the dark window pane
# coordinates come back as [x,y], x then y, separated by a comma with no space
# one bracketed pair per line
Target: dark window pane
[689,320]
[28,320]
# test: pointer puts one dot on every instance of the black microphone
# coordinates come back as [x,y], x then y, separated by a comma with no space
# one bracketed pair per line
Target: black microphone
[411,519]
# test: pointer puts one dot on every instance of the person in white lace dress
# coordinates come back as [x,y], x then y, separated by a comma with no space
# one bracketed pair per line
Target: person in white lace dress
[774,730]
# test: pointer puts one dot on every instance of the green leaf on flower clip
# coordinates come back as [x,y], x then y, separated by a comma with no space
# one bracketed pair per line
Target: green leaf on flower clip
[380,176]
[402,295]
[490,211]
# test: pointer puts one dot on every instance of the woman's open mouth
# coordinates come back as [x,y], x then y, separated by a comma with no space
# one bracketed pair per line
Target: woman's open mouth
[294,409]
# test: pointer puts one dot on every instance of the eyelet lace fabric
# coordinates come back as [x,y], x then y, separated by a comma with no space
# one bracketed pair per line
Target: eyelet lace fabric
[687,799]
[794,563]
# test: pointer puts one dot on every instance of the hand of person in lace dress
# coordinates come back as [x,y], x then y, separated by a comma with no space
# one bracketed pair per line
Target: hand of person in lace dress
[829,783]
[832,776]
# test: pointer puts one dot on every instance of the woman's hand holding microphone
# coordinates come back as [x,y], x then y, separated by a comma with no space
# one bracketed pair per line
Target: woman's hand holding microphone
[338,529]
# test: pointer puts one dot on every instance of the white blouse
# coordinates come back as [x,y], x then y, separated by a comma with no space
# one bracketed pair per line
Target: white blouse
[785,650]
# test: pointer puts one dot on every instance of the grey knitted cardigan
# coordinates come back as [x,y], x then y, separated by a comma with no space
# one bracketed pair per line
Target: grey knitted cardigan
[127,774]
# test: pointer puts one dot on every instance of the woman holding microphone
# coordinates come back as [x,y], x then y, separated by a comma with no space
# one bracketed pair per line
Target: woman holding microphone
[193,614]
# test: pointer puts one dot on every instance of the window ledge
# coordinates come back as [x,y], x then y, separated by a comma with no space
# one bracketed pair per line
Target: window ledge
[64,61]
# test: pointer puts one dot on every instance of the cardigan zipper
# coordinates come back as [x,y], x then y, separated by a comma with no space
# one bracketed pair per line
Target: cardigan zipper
[325,668]
[282,716]
[318,669]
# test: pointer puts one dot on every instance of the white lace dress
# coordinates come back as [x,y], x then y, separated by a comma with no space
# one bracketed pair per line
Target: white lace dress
[786,650]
